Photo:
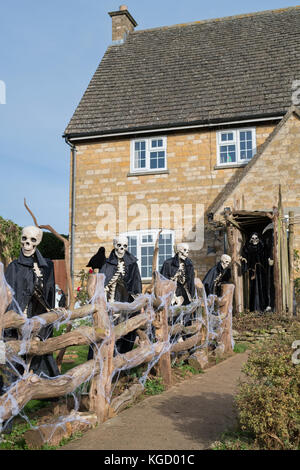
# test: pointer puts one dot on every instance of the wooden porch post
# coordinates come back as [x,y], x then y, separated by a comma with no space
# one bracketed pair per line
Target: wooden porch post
[291,261]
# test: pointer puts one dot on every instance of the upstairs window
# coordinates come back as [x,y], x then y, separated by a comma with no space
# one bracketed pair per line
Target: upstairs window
[141,244]
[148,154]
[236,147]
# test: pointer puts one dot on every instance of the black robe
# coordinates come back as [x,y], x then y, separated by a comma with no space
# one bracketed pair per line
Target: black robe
[214,278]
[170,268]
[21,277]
[130,284]
[257,267]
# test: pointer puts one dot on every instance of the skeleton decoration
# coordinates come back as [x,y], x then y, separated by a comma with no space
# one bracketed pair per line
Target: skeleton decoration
[217,275]
[31,276]
[180,269]
[120,244]
[120,247]
[122,283]
[225,261]
[183,251]
[254,240]
[255,262]
[31,237]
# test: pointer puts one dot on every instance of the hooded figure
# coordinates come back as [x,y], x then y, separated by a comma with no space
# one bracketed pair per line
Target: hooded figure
[126,284]
[255,262]
[35,294]
[185,289]
[98,260]
[216,276]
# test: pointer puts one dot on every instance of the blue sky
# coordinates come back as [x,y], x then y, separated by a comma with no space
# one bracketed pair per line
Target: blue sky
[48,53]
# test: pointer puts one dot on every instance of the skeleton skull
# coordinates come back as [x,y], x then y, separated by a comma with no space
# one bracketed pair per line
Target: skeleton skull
[31,237]
[120,244]
[254,240]
[183,250]
[225,261]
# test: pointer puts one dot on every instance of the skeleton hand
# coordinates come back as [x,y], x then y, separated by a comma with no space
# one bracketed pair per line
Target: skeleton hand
[271,262]
[242,259]
[177,300]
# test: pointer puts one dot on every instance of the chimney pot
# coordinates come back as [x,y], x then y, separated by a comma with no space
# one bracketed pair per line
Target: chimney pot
[123,7]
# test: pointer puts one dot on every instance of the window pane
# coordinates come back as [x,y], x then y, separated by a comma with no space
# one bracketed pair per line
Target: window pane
[246,145]
[157,159]
[227,154]
[146,260]
[165,248]
[132,245]
[140,158]
[147,238]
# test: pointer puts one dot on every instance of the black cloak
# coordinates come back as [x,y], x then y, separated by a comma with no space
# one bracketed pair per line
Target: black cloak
[22,279]
[169,269]
[256,265]
[132,279]
[98,260]
[130,284]
[220,275]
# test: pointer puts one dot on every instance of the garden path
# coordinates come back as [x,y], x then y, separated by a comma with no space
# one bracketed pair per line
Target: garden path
[189,416]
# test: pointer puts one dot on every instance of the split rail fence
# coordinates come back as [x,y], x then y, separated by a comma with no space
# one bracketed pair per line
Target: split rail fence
[148,309]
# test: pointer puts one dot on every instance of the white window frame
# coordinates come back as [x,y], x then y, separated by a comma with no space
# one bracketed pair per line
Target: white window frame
[236,142]
[148,149]
[154,232]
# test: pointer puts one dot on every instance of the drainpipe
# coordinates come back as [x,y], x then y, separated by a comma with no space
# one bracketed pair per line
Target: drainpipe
[73,151]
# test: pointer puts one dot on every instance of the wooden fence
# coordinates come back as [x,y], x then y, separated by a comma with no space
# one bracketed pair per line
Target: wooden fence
[157,348]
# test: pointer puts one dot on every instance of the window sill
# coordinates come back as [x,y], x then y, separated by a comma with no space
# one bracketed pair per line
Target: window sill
[230,165]
[149,172]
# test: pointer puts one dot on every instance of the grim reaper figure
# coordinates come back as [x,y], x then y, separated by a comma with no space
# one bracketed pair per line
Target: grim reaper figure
[180,269]
[217,275]
[122,283]
[31,277]
[254,260]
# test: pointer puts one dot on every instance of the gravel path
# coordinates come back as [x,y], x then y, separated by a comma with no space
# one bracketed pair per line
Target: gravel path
[189,416]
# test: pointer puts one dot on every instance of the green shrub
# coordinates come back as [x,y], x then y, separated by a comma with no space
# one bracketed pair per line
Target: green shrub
[268,399]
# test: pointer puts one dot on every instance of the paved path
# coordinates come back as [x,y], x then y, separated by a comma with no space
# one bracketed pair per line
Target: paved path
[189,416]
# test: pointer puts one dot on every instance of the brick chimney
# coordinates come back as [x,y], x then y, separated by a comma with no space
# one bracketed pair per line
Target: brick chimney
[122,24]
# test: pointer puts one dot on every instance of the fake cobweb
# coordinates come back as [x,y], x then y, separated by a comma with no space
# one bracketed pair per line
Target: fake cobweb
[181,320]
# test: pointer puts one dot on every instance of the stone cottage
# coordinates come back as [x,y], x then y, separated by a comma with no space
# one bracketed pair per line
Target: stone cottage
[179,122]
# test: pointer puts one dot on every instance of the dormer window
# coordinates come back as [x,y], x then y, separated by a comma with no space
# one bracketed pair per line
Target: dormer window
[235,146]
[149,154]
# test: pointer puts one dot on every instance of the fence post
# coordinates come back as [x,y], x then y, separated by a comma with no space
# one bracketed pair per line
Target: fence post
[165,360]
[100,390]
[226,315]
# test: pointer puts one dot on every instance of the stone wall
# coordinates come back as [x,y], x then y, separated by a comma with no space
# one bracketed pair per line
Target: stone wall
[278,164]
[102,177]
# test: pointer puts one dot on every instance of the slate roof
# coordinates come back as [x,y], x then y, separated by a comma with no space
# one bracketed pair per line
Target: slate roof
[204,72]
